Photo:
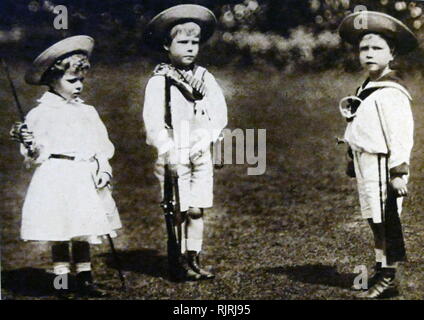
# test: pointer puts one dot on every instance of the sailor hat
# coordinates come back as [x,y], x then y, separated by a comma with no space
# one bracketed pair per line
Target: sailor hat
[357,24]
[159,27]
[77,44]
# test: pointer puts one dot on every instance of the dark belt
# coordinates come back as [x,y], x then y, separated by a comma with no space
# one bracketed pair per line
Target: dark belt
[61,156]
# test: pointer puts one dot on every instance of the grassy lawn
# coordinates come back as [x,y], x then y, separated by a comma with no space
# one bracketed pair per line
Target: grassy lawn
[292,233]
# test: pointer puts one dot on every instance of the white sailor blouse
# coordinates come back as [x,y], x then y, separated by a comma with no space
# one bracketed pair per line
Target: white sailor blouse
[209,112]
[383,123]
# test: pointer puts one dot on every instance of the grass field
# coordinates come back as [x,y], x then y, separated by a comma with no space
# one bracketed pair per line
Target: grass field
[293,233]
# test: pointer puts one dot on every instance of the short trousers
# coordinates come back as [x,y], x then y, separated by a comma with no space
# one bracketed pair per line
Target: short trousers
[372,175]
[195,181]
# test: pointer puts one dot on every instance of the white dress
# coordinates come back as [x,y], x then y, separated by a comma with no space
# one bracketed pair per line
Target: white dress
[62,201]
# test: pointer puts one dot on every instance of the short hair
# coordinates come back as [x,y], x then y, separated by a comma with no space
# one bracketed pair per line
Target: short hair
[76,63]
[390,41]
[188,28]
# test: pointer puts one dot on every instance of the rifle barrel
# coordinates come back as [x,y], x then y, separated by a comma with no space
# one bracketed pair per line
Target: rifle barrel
[117,262]
[12,86]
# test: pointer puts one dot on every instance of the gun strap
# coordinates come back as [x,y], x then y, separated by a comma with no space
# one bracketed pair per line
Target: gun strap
[168,122]
[171,184]
[168,115]
[395,243]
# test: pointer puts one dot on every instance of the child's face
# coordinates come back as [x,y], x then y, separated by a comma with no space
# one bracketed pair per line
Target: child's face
[69,86]
[374,53]
[183,49]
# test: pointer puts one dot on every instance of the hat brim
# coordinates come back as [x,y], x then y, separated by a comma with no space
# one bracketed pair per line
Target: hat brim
[49,56]
[380,23]
[158,28]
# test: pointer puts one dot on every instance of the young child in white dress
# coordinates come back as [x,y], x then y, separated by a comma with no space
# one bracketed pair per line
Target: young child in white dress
[69,198]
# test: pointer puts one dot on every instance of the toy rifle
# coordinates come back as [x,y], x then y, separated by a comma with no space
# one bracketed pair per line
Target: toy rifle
[113,250]
[171,201]
[171,208]
[117,263]
[12,87]
[28,145]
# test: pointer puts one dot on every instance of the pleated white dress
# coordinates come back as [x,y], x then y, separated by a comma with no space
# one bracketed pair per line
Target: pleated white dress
[62,201]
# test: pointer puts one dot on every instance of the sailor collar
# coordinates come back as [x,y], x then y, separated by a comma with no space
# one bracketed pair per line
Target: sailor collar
[390,80]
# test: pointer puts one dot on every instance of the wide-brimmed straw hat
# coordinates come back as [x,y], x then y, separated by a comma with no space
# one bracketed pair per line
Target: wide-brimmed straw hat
[48,57]
[357,24]
[159,27]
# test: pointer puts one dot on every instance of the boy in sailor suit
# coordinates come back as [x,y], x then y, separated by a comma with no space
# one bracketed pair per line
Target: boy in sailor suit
[380,137]
[68,200]
[198,112]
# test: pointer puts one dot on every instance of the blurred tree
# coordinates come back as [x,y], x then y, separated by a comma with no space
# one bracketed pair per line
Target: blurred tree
[283,32]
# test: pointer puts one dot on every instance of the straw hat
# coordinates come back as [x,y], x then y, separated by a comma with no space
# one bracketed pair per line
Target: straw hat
[158,28]
[49,56]
[380,23]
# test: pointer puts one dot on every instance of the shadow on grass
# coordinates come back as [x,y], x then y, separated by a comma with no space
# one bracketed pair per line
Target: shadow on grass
[143,261]
[316,274]
[31,282]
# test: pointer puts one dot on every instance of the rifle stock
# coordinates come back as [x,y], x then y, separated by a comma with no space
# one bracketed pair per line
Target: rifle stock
[171,208]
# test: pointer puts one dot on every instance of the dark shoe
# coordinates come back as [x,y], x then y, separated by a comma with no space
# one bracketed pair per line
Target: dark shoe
[377,269]
[384,287]
[377,272]
[87,288]
[180,271]
[194,263]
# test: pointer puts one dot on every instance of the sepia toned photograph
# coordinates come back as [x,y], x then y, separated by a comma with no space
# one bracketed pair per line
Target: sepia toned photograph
[211,150]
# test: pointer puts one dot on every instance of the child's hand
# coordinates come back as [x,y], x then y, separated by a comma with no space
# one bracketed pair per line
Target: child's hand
[199,149]
[399,185]
[195,153]
[350,169]
[102,180]
[171,159]
[202,144]
[19,132]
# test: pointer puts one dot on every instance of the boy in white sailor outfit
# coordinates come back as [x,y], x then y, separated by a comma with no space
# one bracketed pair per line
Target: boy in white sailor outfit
[69,196]
[198,112]
[380,137]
